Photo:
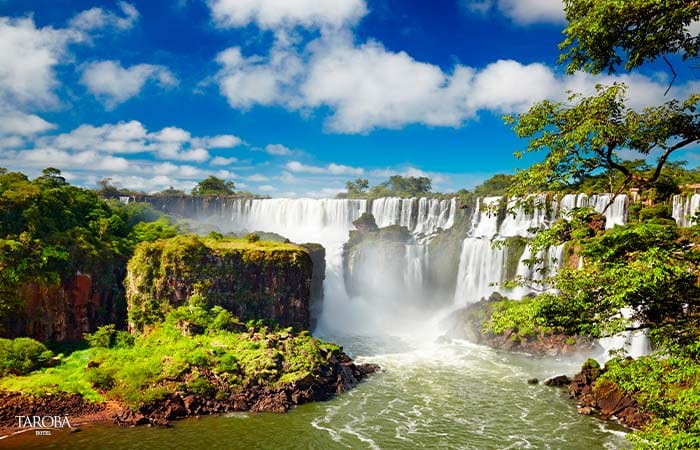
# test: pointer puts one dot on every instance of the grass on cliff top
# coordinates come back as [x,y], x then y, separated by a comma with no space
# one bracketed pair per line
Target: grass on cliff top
[195,350]
[227,243]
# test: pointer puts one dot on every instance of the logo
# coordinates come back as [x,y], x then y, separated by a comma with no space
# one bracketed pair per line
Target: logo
[42,425]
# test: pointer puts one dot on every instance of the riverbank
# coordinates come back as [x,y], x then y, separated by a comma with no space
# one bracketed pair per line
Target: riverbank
[336,377]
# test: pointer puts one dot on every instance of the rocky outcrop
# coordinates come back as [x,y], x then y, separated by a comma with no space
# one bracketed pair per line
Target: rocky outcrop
[605,399]
[253,280]
[336,377]
[318,275]
[65,311]
[375,259]
[468,323]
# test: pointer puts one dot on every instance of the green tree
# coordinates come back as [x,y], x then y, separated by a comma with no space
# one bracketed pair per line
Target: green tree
[400,186]
[357,188]
[584,136]
[214,186]
[496,185]
[603,35]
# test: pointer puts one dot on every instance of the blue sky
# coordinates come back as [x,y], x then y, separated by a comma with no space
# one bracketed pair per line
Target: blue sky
[284,97]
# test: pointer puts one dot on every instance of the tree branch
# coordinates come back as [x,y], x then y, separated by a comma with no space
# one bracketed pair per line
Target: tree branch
[673,72]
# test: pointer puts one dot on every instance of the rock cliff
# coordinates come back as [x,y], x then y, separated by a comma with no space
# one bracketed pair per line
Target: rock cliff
[253,280]
[63,312]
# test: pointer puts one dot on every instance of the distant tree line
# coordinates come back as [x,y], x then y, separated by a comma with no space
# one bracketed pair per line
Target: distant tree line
[395,186]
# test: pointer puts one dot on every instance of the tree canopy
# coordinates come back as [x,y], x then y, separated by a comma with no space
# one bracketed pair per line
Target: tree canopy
[585,135]
[214,186]
[603,35]
[395,186]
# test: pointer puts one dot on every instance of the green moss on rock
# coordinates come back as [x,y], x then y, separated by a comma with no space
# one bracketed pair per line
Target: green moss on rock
[253,280]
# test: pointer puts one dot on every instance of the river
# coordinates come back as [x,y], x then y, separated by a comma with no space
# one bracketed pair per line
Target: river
[452,395]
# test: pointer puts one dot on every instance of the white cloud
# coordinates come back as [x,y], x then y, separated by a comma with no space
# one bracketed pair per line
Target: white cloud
[97,18]
[171,134]
[478,6]
[122,137]
[18,123]
[288,178]
[369,87]
[246,81]
[88,159]
[332,168]
[339,169]
[221,161]
[523,12]
[531,11]
[114,84]
[28,56]
[267,188]
[258,178]
[220,141]
[273,14]
[296,166]
[11,142]
[278,150]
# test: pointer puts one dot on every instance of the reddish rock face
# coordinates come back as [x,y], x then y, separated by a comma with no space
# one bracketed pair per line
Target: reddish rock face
[605,399]
[62,312]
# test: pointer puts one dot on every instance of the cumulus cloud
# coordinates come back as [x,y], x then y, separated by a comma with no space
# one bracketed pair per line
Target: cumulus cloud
[246,81]
[97,18]
[28,56]
[258,178]
[332,168]
[222,161]
[278,150]
[368,87]
[219,141]
[169,143]
[272,14]
[523,12]
[267,188]
[18,123]
[114,84]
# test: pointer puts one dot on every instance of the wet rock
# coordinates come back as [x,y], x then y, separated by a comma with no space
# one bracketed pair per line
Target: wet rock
[558,381]
[443,339]
[533,381]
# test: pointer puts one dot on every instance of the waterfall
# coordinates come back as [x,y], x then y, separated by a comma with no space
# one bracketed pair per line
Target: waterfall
[520,219]
[684,208]
[480,267]
[420,215]
[485,219]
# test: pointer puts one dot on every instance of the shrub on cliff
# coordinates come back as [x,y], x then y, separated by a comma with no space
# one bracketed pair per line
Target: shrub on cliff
[22,355]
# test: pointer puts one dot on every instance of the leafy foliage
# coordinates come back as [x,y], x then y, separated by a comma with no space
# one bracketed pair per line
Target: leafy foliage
[583,137]
[214,186]
[669,390]
[395,186]
[602,35]
[22,355]
[49,230]
[171,358]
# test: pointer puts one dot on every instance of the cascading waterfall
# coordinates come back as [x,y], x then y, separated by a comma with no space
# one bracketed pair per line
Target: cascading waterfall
[481,268]
[482,265]
[520,220]
[420,215]
[615,214]
[328,222]
[684,208]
